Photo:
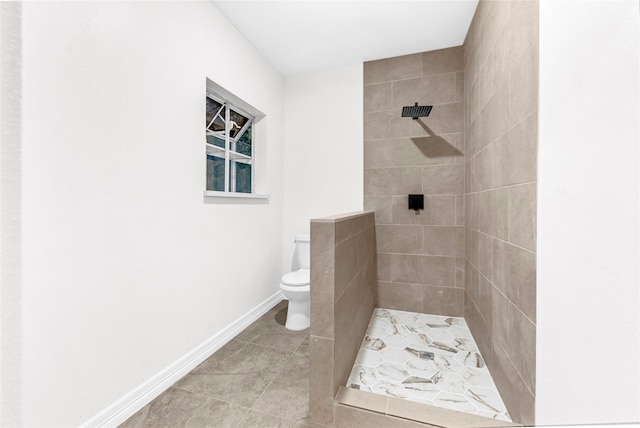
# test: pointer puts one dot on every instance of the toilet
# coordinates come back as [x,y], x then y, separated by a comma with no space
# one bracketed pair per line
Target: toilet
[296,286]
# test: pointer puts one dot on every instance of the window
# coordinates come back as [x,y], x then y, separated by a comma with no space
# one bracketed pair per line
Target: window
[230,145]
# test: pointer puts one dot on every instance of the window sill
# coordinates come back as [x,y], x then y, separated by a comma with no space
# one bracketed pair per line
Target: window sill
[211,193]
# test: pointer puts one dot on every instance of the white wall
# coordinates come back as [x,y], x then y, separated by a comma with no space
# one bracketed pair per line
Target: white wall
[126,268]
[323,151]
[588,361]
[10,221]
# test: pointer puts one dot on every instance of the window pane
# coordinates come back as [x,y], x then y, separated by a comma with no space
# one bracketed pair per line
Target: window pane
[245,142]
[219,142]
[213,107]
[243,177]
[215,173]
[217,111]
[238,121]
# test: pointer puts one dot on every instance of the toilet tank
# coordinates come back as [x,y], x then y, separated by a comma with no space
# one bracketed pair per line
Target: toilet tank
[303,250]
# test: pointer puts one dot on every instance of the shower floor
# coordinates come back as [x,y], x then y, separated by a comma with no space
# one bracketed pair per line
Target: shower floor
[428,359]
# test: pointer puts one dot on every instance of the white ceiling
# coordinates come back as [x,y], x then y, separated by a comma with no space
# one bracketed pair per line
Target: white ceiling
[302,36]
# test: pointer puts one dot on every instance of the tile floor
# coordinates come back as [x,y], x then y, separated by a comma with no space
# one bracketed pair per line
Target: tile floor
[429,359]
[258,379]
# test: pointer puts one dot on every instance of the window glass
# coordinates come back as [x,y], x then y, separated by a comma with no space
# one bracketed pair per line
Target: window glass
[216,141]
[243,177]
[244,143]
[238,122]
[215,173]
[215,116]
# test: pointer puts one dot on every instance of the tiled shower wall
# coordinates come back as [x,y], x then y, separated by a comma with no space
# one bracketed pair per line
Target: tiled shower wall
[420,256]
[501,103]
[342,299]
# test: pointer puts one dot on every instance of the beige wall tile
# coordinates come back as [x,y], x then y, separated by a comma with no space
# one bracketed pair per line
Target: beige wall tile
[385,70]
[459,210]
[493,212]
[439,210]
[399,296]
[499,208]
[382,207]
[496,22]
[384,267]
[428,150]
[460,268]
[522,215]
[522,348]
[443,241]
[320,384]
[523,86]
[443,179]
[378,125]
[515,158]
[502,330]
[345,229]
[481,90]
[494,116]
[501,79]
[518,399]
[517,337]
[443,60]
[392,181]
[443,301]
[378,154]
[481,331]
[444,119]
[471,210]
[478,250]
[346,265]
[459,86]
[322,278]
[376,181]
[479,171]
[428,90]
[429,270]
[514,273]
[472,138]
[404,127]
[520,31]
[377,97]
[485,298]
[471,282]
[399,239]
[401,214]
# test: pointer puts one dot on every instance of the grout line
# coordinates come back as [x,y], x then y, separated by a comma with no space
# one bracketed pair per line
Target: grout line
[515,368]
[512,303]
[500,239]
[273,380]
[506,186]
[500,291]
[209,396]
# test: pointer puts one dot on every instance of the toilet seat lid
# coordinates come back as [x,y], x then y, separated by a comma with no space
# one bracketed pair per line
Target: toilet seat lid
[299,277]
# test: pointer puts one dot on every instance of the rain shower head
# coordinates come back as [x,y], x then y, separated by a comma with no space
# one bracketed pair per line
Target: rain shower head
[416,111]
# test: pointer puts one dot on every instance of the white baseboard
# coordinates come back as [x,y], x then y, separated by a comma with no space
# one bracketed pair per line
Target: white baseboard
[128,405]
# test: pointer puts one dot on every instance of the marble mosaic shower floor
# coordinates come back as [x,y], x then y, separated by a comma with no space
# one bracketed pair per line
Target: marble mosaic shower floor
[428,359]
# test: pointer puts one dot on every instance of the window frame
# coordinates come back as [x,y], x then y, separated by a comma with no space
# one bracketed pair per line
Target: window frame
[229,102]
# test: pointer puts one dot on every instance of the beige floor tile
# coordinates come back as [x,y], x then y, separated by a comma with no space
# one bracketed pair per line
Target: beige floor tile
[242,389]
[288,394]
[177,408]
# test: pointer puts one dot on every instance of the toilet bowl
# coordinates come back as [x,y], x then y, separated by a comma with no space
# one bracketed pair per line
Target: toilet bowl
[296,287]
